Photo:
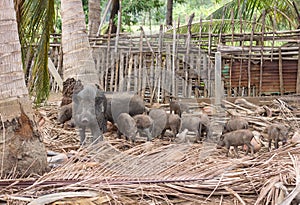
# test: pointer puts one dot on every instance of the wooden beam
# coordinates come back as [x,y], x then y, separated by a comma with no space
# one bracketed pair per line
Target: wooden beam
[298,75]
[280,74]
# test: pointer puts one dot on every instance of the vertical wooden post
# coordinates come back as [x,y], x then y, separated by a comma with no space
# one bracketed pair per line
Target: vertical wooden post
[218,78]
[231,59]
[108,54]
[200,59]
[159,62]
[280,72]
[169,77]
[140,65]
[151,79]
[121,72]
[129,72]
[173,58]
[135,73]
[186,57]
[250,55]
[261,52]
[144,77]
[298,74]
[240,78]
[101,59]
[113,67]
[274,31]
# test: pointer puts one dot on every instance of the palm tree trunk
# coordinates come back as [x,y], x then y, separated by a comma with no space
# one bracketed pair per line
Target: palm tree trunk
[78,61]
[169,15]
[94,16]
[22,150]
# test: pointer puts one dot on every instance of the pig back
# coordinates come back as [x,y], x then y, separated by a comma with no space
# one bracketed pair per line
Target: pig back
[237,137]
[159,117]
[236,124]
[118,103]
[190,123]
[126,125]
[143,121]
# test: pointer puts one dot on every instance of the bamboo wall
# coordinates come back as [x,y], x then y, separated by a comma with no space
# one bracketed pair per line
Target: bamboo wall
[170,64]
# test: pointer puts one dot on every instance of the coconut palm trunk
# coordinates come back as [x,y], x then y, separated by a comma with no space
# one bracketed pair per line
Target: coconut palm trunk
[22,150]
[94,16]
[78,61]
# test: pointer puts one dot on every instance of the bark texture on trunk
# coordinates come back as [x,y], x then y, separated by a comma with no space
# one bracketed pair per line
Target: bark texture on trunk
[169,15]
[22,151]
[94,16]
[78,61]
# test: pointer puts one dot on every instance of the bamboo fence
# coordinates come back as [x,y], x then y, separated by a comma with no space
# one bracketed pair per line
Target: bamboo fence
[256,61]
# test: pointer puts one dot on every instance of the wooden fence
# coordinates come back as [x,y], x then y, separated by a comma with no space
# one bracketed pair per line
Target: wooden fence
[158,66]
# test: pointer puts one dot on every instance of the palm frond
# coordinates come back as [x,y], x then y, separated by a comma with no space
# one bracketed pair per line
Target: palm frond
[281,15]
[36,24]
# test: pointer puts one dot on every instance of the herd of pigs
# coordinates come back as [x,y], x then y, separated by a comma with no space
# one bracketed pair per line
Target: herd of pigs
[92,108]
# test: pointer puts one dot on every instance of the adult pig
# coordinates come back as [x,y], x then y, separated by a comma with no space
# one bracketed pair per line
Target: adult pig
[237,138]
[192,124]
[123,102]
[89,106]
[160,118]
[276,133]
[236,124]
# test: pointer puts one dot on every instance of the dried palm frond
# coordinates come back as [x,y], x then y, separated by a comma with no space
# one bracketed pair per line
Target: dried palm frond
[158,172]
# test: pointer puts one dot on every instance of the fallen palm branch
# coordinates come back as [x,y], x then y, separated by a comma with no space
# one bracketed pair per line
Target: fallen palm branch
[161,176]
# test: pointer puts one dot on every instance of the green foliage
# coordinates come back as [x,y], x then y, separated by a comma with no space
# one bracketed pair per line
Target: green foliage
[202,8]
[132,10]
[283,13]
[85,5]
[57,23]
[37,18]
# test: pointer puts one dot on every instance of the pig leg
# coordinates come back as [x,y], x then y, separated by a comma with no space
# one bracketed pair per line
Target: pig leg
[163,133]
[276,143]
[198,136]
[270,144]
[148,134]
[227,145]
[175,130]
[252,149]
[82,135]
[96,132]
[236,151]
[119,134]
[250,146]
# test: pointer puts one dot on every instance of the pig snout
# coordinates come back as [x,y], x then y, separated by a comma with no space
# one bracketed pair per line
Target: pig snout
[85,120]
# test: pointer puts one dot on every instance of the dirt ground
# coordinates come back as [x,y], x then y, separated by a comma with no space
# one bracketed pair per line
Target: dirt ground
[182,173]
